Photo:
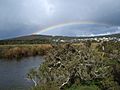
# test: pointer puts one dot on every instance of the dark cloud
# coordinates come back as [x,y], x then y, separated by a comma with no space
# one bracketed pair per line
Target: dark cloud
[81,30]
[24,14]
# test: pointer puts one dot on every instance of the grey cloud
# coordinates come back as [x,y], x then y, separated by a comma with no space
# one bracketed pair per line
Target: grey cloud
[82,30]
[24,14]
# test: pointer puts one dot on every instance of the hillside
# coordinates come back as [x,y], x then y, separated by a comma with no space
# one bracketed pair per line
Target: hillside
[113,35]
[43,39]
[36,37]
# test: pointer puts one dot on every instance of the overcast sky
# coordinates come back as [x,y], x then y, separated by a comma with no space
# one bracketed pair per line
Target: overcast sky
[23,17]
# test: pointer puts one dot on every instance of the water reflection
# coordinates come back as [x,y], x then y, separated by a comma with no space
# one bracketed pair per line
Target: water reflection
[13,73]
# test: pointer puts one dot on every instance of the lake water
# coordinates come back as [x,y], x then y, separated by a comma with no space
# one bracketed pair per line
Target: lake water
[13,73]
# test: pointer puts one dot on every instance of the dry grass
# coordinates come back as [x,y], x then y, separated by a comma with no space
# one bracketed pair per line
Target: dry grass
[19,51]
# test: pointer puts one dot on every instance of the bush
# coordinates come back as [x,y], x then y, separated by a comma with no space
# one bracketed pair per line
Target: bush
[68,65]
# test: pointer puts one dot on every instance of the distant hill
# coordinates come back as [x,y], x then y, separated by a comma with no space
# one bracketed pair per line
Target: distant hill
[31,37]
[40,37]
[43,39]
[112,35]
[36,37]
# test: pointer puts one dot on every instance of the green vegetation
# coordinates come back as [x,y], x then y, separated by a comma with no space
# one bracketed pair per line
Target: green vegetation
[92,87]
[91,66]
[87,65]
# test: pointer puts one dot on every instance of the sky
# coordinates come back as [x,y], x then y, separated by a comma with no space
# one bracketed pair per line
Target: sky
[81,30]
[24,17]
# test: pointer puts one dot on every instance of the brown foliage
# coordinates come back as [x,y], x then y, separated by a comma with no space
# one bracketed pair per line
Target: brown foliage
[25,51]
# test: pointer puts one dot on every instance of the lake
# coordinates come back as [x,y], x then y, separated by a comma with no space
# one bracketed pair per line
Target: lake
[13,73]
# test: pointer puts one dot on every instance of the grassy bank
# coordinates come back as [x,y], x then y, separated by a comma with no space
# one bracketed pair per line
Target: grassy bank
[19,51]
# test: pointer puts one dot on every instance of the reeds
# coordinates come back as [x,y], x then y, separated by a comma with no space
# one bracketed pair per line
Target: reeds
[17,51]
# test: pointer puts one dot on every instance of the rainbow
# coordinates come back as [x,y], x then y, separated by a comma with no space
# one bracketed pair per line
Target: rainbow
[69,23]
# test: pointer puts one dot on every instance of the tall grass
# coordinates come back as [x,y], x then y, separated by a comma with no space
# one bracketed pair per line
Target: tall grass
[18,51]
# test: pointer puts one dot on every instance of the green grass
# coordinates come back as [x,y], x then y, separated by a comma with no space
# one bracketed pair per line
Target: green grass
[74,87]
[92,87]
